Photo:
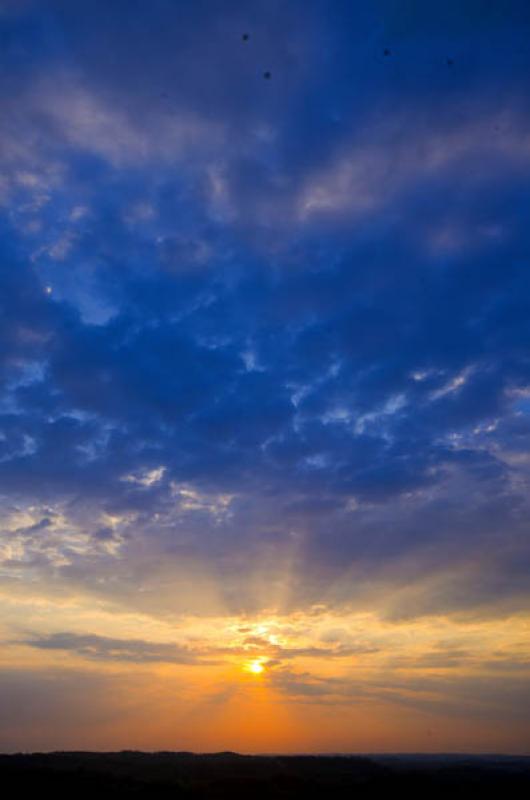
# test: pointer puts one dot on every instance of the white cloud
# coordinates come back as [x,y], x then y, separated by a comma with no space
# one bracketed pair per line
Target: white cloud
[147,477]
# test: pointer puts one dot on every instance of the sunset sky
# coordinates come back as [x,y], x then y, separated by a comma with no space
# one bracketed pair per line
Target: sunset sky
[265,375]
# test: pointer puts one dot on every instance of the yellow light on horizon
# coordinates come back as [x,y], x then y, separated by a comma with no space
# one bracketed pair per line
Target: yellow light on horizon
[256,667]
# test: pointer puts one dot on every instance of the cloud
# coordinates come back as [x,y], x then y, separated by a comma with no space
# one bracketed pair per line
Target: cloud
[88,123]
[221,379]
[103,648]
[456,697]
[382,163]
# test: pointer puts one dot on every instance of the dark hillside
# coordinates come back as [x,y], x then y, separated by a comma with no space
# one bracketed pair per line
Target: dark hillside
[229,775]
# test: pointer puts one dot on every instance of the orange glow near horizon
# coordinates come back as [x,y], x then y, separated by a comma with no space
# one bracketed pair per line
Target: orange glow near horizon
[297,682]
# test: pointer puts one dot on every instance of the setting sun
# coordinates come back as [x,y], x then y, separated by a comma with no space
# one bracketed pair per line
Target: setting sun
[256,667]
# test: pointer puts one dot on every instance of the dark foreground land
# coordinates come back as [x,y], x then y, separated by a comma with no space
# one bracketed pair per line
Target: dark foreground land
[228,775]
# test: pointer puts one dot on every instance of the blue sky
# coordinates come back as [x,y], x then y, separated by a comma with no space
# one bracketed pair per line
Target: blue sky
[264,340]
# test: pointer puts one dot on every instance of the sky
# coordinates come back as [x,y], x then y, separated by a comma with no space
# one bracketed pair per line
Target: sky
[265,375]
